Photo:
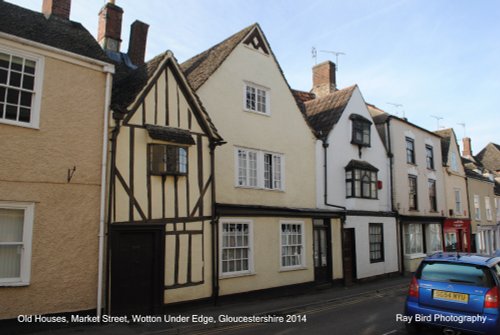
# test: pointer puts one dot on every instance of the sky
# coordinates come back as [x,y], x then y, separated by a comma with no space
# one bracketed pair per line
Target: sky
[435,62]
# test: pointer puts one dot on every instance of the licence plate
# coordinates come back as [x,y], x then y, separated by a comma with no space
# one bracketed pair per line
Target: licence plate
[450,296]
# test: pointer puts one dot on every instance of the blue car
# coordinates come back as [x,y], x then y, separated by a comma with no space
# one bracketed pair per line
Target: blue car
[458,293]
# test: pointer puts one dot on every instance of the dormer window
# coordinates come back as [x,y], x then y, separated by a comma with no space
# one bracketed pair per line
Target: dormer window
[361,180]
[256,99]
[360,130]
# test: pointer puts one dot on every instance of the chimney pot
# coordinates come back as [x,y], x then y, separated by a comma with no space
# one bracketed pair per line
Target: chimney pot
[324,81]
[110,27]
[137,43]
[59,8]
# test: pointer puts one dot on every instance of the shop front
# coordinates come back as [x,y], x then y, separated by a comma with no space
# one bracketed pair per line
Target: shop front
[457,235]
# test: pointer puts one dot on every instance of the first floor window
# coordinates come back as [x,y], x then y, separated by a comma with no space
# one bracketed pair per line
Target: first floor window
[16,224]
[432,195]
[292,245]
[413,195]
[458,202]
[414,243]
[20,79]
[487,206]
[477,209]
[259,169]
[167,160]
[376,237]
[434,240]
[410,150]
[361,183]
[235,247]
[429,155]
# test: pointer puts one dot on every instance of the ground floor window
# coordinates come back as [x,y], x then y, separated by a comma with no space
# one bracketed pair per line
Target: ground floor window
[414,243]
[16,225]
[292,245]
[236,257]
[376,236]
[420,238]
[434,240]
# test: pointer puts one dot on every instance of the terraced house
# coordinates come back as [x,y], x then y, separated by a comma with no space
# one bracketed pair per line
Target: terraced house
[55,84]
[270,233]
[352,174]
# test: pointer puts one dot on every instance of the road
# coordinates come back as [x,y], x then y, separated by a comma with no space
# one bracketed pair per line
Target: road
[370,314]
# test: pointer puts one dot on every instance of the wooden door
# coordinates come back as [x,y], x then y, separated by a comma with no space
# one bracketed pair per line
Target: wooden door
[349,255]
[321,252]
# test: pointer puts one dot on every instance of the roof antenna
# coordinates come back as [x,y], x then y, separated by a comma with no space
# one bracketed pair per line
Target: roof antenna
[337,54]
[314,55]
[397,106]
[437,120]
[463,125]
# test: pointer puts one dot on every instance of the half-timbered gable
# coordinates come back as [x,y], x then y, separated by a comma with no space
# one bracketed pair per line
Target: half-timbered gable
[161,183]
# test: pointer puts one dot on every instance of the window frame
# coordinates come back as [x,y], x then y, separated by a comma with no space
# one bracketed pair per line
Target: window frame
[360,126]
[249,247]
[429,156]
[376,243]
[477,207]
[25,261]
[431,183]
[458,201]
[262,174]
[257,88]
[37,88]
[167,150]
[302,245]
[410,151]
[352,182]
[412,194]
[487,208]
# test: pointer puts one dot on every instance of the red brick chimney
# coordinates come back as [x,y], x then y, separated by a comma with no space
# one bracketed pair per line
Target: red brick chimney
[467,152]
[59,8]
[110,27]
[137,42]
[324,79]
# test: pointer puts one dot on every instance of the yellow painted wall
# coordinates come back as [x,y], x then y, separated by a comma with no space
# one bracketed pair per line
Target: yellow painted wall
[34,168]
[337,263]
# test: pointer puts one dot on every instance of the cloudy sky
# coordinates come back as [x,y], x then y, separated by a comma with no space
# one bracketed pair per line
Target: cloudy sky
[434,57]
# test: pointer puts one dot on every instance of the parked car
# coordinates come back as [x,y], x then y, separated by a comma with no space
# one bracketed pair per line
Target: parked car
[455,292]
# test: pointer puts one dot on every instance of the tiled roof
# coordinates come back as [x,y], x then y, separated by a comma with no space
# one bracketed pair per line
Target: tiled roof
[301,96]
[490,156]
[132,83]
[175,135]
[53,31]
[200,67]
[356,164]
[473,174]
[323,113]
[446,135]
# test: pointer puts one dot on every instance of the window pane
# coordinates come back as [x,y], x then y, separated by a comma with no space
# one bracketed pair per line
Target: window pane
[15,79]
[252,168]
[13,96]
[11,225]
[3,76]
[24,114]
[26,99]
[29,66]
[4,60]
[11,112]
[17,63]
[28,82]
[10,261]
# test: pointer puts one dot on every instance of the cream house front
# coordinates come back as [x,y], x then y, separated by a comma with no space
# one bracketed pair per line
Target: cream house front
[269,231]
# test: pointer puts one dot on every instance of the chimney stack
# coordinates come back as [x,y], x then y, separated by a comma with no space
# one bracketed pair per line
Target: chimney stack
[110,27]
[137,43]
[324,79]
[59,8]
[467,152]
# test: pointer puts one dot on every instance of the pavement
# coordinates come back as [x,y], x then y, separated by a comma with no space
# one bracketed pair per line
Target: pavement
[204,317]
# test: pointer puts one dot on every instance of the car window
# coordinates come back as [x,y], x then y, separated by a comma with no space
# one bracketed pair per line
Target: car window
[466,274]
[496,269]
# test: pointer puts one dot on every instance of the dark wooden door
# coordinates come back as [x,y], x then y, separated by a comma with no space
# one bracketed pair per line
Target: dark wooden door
[321,252]
[349,255]
[137,268]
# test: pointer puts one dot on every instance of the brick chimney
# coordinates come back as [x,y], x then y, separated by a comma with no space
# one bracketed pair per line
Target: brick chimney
[110,27]
[324,79]
[137,43]
[59,8]
[467,152]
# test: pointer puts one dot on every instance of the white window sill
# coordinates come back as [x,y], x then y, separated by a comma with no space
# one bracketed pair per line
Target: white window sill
[259,188]
[13,284]
[256,112]
[236,275]
[294,268]
[20,124]
[415,256]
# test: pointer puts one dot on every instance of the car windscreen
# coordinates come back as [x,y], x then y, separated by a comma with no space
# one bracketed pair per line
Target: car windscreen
[467,274]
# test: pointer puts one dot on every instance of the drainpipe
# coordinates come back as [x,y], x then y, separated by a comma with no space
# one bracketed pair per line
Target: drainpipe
[399,225]
[109,70]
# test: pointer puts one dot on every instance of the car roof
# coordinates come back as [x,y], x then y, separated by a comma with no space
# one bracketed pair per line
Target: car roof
[465,258]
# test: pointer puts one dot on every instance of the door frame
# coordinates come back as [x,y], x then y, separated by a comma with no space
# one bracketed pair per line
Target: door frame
[328,229]
[159,261]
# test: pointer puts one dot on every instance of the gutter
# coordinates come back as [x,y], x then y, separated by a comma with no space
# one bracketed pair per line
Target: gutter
[109,70]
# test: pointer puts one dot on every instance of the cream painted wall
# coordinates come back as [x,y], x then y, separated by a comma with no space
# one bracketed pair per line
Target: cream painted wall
[66,215]
[399,131]
[284,131]
[455,180]
[266,258]
[337,263]
[483,189]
